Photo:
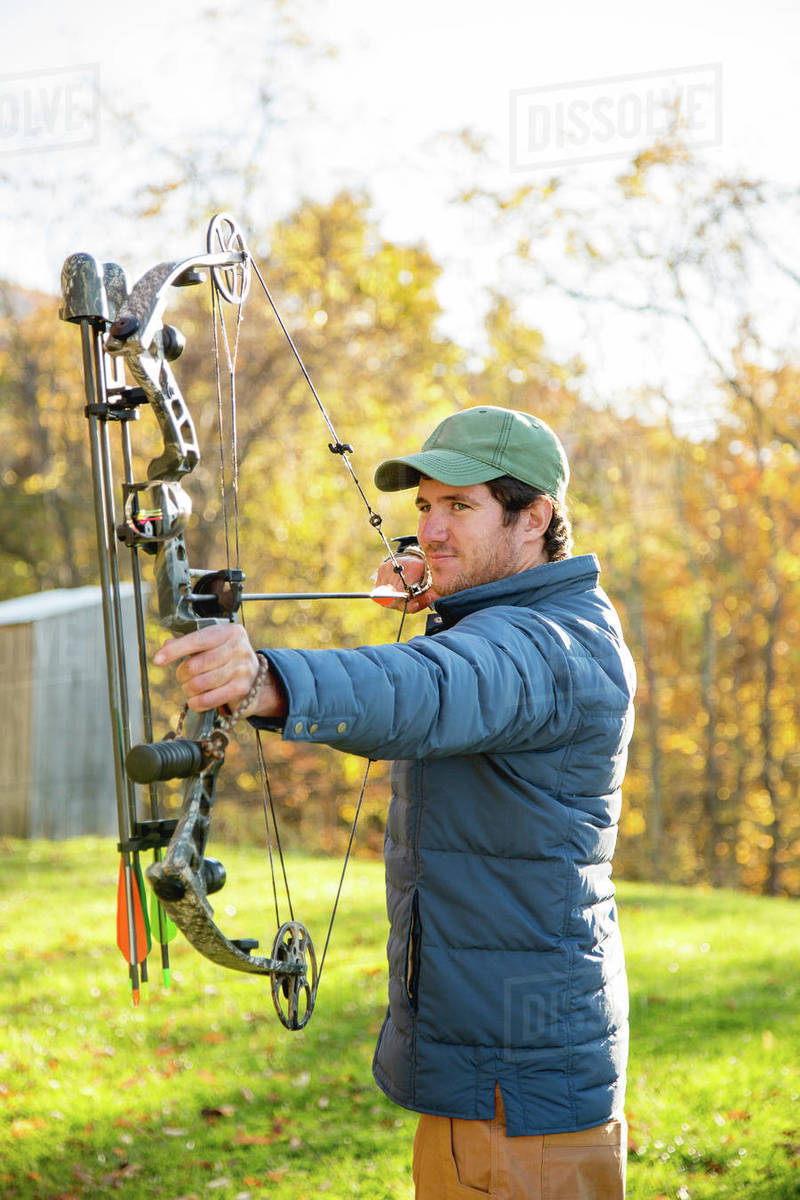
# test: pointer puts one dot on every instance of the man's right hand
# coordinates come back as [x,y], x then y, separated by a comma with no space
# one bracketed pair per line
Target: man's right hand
[414,570]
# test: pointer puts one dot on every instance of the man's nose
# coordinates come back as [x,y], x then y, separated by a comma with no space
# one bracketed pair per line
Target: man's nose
[432,527]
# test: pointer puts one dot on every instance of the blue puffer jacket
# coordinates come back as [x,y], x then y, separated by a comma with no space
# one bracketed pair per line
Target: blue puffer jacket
[509,728]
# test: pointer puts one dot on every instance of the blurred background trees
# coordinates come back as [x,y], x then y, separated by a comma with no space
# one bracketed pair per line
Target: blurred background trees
[694,514]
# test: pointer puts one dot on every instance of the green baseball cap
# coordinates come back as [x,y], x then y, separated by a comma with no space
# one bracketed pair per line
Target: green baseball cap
[480,444]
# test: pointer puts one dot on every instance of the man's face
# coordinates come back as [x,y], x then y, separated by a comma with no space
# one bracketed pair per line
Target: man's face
[465,541]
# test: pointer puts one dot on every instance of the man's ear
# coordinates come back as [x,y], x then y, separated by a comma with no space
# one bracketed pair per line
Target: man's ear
[537,516]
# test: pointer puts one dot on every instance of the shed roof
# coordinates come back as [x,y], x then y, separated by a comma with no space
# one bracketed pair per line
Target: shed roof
[24,610]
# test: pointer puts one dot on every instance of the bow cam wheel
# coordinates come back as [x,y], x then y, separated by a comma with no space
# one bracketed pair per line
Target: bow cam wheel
[232,283]
[294,994]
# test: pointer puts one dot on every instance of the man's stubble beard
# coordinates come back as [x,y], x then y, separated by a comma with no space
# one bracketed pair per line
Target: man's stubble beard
[498,564]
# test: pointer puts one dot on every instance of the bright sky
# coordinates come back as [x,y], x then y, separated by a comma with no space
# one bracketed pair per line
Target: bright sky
[370,117]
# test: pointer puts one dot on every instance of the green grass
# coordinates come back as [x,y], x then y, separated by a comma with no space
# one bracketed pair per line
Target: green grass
[714,1077]
[200,1093]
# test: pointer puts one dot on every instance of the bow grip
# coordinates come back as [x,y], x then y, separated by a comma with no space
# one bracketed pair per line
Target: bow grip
[173,758]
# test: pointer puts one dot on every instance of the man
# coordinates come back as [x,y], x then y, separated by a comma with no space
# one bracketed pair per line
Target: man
[508,725]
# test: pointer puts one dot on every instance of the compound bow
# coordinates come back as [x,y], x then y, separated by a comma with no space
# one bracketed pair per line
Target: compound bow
[123,330]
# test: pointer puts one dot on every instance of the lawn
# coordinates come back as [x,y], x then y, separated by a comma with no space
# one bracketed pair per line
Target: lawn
[201,1093]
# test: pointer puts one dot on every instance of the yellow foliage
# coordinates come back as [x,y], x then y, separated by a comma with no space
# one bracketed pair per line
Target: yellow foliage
[698,539]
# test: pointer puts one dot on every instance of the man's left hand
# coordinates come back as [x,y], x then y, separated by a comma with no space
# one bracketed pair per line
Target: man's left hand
[217,668]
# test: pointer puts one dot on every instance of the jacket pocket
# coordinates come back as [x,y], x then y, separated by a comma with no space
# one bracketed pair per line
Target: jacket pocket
[413,952]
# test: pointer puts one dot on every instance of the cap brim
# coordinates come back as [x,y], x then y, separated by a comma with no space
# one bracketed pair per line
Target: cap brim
[445,466]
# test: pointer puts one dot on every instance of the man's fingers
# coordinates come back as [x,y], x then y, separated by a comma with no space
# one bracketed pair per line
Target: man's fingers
[217,665]
[207,638]
[414,569]
[423,600]
[219,697]
[217,660]
[391,598]
[388,597]
[212,670]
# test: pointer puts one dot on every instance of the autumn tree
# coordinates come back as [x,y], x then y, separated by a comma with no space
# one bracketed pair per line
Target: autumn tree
[698,532]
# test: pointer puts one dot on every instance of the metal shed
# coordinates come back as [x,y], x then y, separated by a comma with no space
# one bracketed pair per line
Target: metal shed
[57,769]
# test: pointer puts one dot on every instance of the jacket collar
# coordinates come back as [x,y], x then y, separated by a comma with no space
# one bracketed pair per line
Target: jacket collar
[526,588]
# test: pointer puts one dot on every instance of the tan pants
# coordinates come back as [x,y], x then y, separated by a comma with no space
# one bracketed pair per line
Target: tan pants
[456,1159]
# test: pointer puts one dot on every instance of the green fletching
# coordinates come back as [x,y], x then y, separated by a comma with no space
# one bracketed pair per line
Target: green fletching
[139,884]
[163,927]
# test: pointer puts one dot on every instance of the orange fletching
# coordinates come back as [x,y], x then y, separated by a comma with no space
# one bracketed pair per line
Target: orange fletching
[387,597]
[137,953]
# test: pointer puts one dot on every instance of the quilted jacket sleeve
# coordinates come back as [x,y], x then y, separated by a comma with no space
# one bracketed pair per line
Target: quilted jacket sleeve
[499,680]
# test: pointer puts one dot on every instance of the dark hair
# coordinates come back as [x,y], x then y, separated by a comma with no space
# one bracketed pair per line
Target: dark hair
[514,495]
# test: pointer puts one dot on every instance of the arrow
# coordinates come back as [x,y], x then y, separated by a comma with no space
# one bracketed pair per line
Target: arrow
[132,920]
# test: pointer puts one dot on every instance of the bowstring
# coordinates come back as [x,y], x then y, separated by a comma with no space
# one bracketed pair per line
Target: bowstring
[342,449]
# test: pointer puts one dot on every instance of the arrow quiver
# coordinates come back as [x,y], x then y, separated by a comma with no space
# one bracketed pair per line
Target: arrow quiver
[127,356]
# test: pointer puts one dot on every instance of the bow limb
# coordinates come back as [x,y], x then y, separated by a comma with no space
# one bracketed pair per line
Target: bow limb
[186,877]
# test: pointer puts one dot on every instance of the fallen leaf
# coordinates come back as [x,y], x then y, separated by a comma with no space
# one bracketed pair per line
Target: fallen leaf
[119,1174]
[253,1139]
[131,1082]
[214,1114]
[24,1126]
